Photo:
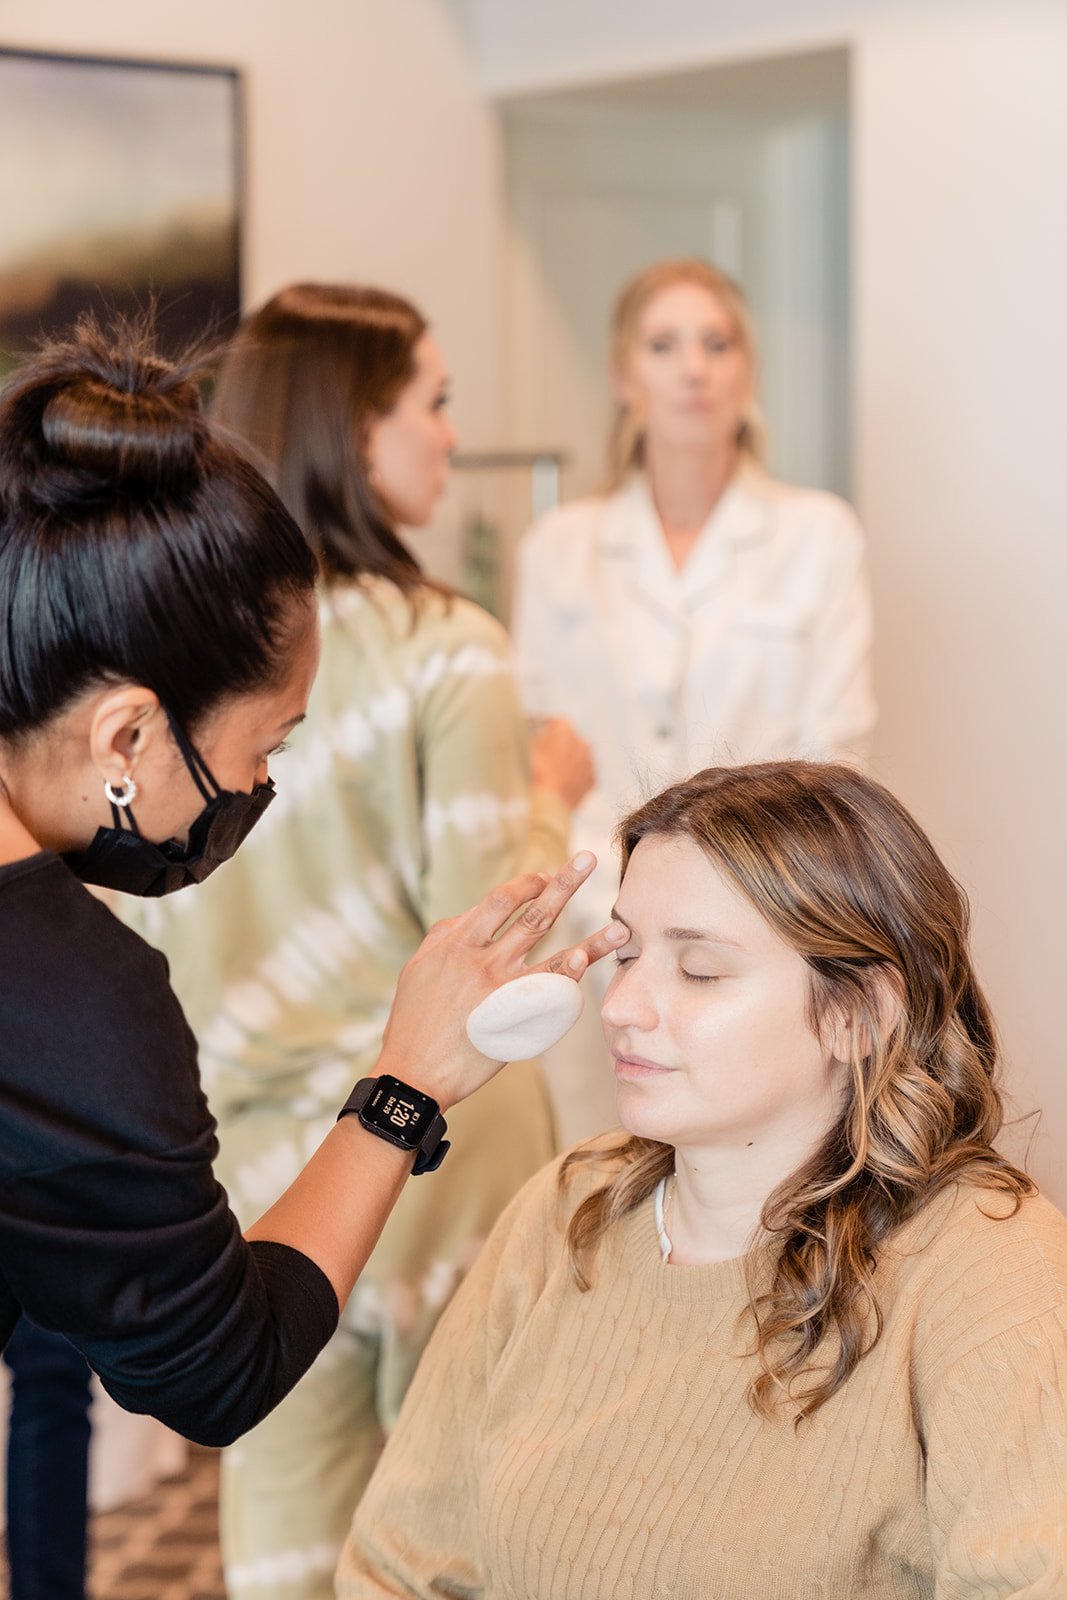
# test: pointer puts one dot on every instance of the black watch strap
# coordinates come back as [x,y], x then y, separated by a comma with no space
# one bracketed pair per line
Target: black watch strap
[402,1116]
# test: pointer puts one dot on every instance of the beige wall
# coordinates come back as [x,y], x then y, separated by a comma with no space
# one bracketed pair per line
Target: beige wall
[961,322]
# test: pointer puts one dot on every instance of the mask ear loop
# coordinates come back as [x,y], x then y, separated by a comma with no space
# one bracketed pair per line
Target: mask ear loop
[198,767]
[121,801]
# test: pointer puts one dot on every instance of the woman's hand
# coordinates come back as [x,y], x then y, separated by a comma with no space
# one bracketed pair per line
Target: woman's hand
[335,1209]
[561,761]
[462,960]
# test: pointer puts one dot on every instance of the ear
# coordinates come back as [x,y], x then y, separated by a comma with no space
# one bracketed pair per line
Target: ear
[885,988]
[126,721]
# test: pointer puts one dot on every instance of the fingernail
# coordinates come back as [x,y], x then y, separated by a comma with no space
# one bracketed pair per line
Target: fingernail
[576,962]
[617,932]
[584,858]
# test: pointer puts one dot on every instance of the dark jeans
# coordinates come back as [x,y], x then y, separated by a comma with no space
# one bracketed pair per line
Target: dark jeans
[47,1466]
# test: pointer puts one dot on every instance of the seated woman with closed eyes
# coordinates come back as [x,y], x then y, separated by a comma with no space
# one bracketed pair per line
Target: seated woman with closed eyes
[799,1330]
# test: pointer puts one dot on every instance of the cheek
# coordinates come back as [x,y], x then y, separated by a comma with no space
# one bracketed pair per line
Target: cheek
[408,469]
[737,385]
[240,770]
[650,384]
[639,387]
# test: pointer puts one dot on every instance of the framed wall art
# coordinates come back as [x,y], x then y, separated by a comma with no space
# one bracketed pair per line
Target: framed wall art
[120,187]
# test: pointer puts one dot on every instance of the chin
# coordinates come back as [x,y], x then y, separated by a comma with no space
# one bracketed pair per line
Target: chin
[645,1121]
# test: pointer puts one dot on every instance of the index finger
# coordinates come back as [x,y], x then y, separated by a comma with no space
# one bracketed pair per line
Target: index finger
[538,915]
[484,921]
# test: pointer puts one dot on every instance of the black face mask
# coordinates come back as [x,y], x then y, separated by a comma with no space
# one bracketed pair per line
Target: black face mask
[120,858]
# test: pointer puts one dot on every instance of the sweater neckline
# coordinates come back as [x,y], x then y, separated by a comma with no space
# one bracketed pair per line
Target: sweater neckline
[638,1252]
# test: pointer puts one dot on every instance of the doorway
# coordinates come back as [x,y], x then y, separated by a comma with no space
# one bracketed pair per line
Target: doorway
[746,164]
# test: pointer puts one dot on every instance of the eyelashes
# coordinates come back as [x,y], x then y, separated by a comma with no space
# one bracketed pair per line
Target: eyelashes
[690,977]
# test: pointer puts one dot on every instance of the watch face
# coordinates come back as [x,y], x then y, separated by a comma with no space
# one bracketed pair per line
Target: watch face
[400,1110]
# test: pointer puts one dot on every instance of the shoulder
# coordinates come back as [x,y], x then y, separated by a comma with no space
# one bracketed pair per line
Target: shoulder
[977,1268]
[557,531]
[524,1258]
[409,625]
[815,515]
[543,1208]
[566,556]
[452,622]
[51,926]
[92,1031]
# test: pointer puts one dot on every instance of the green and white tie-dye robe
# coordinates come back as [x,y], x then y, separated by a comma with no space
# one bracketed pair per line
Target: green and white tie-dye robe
[404,797]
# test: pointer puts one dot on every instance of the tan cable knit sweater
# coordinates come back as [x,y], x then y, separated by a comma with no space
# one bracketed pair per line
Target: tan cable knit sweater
[566,1446]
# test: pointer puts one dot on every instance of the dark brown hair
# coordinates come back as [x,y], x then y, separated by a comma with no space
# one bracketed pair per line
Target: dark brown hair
[843,873]
[134,542]
[301,382]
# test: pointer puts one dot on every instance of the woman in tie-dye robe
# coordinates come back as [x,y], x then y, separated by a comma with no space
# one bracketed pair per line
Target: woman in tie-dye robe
[404,797]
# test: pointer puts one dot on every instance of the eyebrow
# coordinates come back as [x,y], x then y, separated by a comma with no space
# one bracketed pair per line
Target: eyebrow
[705,935]
[687,935]
[721,330]
[287,727]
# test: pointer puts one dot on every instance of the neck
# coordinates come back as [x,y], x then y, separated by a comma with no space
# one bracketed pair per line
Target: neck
[720,1193]
[686,486]
[16,840]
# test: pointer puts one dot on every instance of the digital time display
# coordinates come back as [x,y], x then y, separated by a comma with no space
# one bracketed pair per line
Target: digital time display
[395,1107]
[399,1112]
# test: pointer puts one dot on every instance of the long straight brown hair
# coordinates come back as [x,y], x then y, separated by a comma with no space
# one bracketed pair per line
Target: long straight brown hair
[843,873]
[301,382]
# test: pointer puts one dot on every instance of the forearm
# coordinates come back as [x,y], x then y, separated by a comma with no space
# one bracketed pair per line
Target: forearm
[335,1210]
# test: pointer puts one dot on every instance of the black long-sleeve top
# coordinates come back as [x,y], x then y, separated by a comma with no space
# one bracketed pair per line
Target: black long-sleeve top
[113,1230]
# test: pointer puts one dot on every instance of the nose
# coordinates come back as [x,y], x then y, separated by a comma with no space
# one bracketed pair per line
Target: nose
[695,360]
[449,435]
[629,1001]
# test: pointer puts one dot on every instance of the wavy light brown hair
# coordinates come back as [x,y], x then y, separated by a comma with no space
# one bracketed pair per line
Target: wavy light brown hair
[843,873]
[626,442]
[301,382]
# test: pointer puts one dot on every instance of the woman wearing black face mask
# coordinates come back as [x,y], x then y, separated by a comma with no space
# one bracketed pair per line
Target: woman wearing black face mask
[158,642]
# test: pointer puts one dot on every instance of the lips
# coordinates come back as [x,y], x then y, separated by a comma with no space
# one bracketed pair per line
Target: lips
[637,1068]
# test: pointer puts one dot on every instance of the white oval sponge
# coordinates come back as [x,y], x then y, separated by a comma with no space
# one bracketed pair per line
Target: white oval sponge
[524,1017]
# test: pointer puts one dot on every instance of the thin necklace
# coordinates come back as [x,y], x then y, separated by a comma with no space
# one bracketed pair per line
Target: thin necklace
[664,1209]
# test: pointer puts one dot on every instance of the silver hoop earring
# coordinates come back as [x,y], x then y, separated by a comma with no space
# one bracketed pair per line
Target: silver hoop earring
[121,797]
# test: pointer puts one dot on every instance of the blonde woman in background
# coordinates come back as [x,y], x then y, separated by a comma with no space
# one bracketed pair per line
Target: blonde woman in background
[799,1330]
[699,612]
[407,795]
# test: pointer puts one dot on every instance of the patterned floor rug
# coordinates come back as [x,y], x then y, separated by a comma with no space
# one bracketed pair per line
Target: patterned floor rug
[164,1547]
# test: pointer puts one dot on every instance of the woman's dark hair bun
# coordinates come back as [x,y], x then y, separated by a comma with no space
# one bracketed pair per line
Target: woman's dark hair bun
[102,405]
[136,544]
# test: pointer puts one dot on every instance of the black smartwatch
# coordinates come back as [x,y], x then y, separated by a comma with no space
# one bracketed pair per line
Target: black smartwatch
[402,1115]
